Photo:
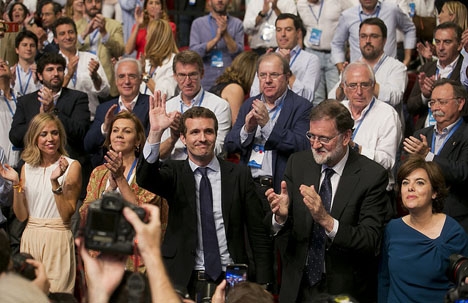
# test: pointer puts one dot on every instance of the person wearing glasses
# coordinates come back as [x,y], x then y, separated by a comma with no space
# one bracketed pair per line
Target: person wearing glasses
[447,37]
[188,72]
[128,78]
[329,215]
[270,126]
[446,143]
[377,127]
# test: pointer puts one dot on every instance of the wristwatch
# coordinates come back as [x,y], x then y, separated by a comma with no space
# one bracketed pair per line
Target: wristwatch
[261,14]
[145,78]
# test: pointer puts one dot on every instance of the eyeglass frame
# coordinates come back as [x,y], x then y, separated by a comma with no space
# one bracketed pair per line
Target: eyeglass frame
[273,76]
[193,76]
[441,101]
[360,84]
[322,139]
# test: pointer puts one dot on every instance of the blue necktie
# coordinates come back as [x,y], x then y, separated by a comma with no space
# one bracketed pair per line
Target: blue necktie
[210,240]
[316,253]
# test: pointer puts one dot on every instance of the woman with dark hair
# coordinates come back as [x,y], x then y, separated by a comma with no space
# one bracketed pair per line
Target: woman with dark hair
[125,139]
[416,248]
[46,196]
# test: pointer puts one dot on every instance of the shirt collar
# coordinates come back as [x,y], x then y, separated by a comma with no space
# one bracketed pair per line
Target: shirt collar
[375,9]
[339,167]
[449,66]
[213,165]
[446,129]
[194,101]
[277,101]
[132,104]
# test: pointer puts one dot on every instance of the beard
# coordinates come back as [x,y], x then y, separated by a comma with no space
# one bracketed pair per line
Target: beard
[371,54]
[330,158]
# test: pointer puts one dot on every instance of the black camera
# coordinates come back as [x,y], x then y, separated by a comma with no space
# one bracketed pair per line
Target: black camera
[457,272]
[22,267]
[106,228]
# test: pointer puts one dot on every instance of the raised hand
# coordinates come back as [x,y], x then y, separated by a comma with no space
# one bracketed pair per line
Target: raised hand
[60,169]
[8,173]
[159,119]
[279,203]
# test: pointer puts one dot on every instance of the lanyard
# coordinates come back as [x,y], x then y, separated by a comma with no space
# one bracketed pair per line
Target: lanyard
[377,12]
[8,103]
[377,66]
[23,91]
[295,57]
[320,11]
[199,103]
[362,120]
[455,127]
[277,109]
[130,172]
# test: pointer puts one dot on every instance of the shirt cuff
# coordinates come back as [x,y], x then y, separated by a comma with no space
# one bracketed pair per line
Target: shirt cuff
[151,152]
[103,132]
[275,226]
[81,40]
[331,235]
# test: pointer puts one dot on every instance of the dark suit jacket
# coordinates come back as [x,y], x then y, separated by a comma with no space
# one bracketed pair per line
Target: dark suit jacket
[288,135]
[241,208]
[415,104]
[360,205]
[94,139]
[72,110]
[453,159]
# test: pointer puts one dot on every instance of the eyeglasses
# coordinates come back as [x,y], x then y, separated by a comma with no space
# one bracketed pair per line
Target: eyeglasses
[192,76]
[122,77]
[321,139]
[362,85]
[273,76]
[442,102]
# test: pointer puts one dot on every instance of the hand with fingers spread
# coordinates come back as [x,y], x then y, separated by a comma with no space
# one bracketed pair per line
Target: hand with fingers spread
[108,118]
[9,173]
[279,203]
[114,163]
[413,145]
[46,97]
[426,83]
[159,119]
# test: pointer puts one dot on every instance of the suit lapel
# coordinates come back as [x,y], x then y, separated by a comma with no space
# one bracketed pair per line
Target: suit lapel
[452,142]
[311,177]
[188,187]
[348,182]
[227,181]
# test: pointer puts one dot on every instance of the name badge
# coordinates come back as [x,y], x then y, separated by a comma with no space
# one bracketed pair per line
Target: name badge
[431,120]
[217,58]
[268,32]
[315,36]
[412,7]
[256,158]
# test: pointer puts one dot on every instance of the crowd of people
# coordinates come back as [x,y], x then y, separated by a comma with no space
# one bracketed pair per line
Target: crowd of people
[321,143]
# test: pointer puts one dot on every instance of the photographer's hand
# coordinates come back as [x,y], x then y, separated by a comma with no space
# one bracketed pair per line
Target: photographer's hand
[220,293]
[103,274]
[41,280]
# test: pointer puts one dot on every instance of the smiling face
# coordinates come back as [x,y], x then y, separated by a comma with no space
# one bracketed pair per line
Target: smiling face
[128,80]
[123,136]
[286,34]
[66,37]
[448,113]
[416,190]
[18,13]
[27,49]
[48,140]
[199,138]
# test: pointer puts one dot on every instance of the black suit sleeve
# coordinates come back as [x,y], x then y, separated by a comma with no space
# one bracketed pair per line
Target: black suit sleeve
[20,122]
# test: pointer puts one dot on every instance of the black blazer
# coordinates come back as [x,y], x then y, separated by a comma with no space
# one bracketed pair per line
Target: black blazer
[94,139]
[72,110]
[453,159]
[361,206]
[415,104]
[241,208]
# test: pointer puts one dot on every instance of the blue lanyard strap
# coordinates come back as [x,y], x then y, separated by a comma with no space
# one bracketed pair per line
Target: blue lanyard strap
[455,127]
[8,103]
[294,58]
[362,120]
[199,103]
[317,18]
[377,66]
[23,91]
[131,170]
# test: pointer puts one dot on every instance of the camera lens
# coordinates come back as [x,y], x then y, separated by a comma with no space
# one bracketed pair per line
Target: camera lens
[458,268]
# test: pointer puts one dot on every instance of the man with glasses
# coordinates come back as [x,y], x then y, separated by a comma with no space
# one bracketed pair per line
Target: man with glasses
[188,72]
[446,143]
[328,217]
[447,37]
[270,126]
[127,79]
[49,12]
[377,127]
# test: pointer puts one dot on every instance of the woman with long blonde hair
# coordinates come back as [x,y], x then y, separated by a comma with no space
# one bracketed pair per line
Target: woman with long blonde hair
[160,51]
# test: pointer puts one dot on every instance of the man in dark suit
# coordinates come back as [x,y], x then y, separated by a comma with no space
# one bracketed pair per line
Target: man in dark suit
[71,106]
[236,208]
[128,80]
[346,260]
[446,143]
[271,126]
[447,37]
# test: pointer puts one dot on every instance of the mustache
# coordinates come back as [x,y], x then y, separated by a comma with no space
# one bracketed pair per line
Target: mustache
[438,113]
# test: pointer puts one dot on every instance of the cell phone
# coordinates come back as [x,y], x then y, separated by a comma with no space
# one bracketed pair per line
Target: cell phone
[235,273]
[11,27]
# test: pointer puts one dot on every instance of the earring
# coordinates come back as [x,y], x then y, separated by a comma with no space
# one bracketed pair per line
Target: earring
[137,148]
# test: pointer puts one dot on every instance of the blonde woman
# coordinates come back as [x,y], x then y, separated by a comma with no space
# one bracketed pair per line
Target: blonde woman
[160,51]
[46,196]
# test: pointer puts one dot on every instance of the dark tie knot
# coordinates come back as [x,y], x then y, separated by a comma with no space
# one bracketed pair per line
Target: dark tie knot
[203,171]
[329,173]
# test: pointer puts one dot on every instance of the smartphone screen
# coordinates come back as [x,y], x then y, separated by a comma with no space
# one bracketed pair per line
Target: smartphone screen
[235,273]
